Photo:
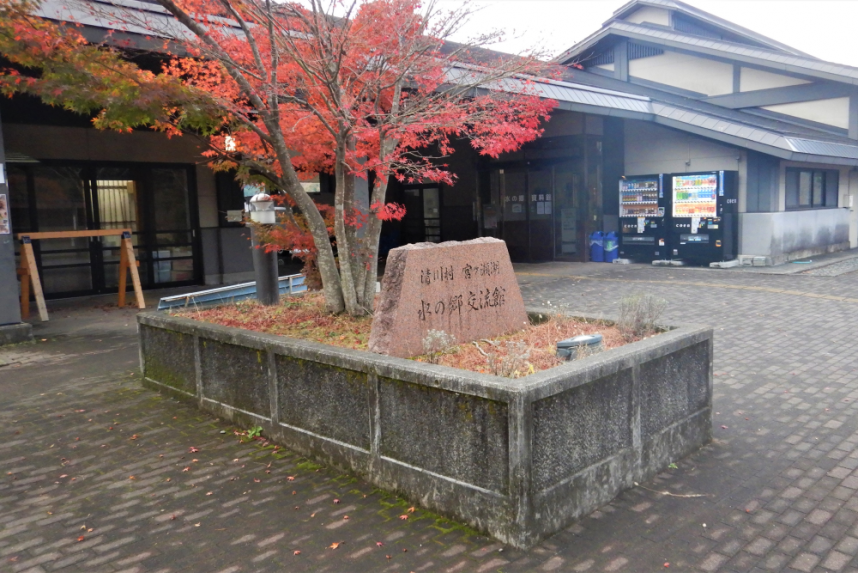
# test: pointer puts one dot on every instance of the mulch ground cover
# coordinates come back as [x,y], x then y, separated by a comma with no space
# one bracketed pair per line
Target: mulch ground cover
[529,350]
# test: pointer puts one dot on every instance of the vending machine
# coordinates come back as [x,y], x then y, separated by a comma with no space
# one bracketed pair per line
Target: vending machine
[643,205]
[704,226]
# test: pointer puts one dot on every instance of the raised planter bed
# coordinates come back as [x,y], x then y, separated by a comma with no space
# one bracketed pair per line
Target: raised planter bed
[519,459]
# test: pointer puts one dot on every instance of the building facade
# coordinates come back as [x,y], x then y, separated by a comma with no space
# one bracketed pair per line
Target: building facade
[666,88]
[662,88]
[725,98]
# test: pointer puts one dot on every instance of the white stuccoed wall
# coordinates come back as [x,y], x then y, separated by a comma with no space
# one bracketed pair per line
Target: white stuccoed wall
[791,235]
[852,191]
[834,111]
[685,72]
[751,79]
[649,15]
[650,148]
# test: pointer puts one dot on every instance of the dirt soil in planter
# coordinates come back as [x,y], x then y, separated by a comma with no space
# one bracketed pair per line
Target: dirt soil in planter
[514,355]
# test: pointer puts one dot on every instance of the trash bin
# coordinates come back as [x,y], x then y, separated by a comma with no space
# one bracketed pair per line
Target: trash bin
[612,247]
[597,248]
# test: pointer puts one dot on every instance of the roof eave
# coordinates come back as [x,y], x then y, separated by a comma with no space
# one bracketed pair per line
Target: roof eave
[712,19]
[582,46]
[728,55]
[604,111]
[786,154]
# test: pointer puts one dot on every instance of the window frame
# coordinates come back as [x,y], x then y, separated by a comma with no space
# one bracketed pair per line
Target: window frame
[809,188]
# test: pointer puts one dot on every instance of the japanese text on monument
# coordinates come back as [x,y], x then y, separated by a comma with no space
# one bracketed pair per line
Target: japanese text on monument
[467,289]
[473,298]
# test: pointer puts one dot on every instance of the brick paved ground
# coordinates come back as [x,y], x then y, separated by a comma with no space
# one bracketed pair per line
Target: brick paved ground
[778,483]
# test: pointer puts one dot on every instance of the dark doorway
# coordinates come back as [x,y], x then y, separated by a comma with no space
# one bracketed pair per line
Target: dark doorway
[422,221]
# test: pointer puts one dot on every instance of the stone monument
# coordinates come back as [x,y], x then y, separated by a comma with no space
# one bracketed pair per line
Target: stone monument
[466,289]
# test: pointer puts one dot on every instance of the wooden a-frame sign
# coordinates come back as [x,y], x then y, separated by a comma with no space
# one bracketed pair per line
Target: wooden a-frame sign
[29,273]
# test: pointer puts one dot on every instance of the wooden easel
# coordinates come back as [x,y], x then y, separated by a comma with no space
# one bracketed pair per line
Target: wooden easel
[29,273]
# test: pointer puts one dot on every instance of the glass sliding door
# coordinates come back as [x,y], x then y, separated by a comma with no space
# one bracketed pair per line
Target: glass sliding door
[432,214]
[59,196]
[528,213]
[567,188]
[172,233]
[514,188]
[538,210]
[422,221]
[540,189]
[155,202]
[116,194]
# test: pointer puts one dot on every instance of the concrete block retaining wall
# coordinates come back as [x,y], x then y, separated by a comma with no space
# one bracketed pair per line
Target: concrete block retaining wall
[518,459]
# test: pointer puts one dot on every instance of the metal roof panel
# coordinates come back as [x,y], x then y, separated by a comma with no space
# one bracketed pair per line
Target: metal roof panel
[697,121]
[823,148]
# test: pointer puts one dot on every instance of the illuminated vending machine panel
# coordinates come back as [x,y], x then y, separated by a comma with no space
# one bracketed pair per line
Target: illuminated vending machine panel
[695,195]
[703,226]
[642,213]
[639,197]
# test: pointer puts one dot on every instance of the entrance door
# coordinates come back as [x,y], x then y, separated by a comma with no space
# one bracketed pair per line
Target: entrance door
[567,182]
[154,202]
[528,214]
[114,201]
[537,210]
[514,189]
[540,189]
[422,221]
[59,203]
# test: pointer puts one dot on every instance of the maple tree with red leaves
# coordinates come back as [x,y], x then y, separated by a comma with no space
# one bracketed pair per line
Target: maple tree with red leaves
[367,89]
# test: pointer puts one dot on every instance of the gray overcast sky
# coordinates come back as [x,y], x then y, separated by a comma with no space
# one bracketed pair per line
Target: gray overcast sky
[823,28]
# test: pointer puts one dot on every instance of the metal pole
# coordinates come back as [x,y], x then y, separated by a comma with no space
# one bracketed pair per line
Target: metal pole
[10,311]
[12,330]
[265,268]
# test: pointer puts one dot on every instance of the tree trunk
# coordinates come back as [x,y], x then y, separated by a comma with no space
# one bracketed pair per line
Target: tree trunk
[288,181]
[327,263]
[372,236]
[345,247]
[357,252]
[378,197]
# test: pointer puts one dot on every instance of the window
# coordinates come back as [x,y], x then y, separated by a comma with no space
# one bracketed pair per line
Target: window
[313,185]
[230,199]
[811,188]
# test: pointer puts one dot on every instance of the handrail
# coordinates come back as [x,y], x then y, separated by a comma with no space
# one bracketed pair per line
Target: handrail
[288,285]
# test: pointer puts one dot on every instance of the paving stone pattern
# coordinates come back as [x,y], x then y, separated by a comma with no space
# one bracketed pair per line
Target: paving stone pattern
[835,269]
[775,491]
